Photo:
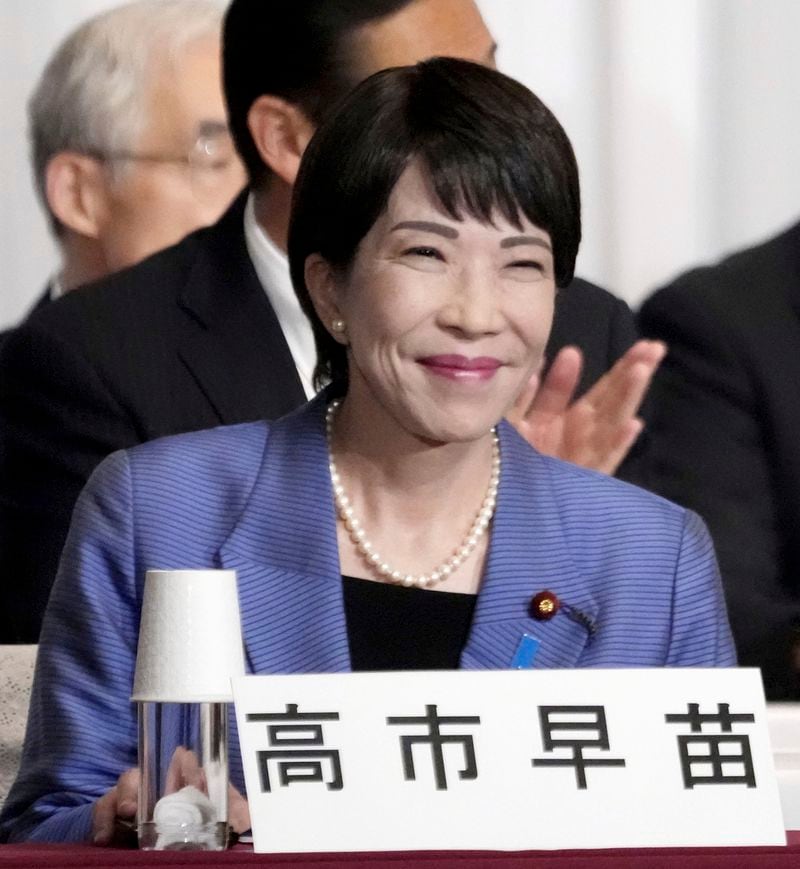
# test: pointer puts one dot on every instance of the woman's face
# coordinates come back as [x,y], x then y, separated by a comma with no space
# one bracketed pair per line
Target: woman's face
[445,319]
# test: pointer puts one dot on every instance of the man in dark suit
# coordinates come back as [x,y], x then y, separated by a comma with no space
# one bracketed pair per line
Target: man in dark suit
[209,331]
[724,437]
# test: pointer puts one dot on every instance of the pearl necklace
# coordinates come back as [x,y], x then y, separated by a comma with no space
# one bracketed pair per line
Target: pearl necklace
[367,551]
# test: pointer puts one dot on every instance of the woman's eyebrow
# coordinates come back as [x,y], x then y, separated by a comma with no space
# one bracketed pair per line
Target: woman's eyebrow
[427,226]
[516,240]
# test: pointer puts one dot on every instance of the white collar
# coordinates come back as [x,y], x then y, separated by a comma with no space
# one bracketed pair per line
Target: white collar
[272,268]
[56,287]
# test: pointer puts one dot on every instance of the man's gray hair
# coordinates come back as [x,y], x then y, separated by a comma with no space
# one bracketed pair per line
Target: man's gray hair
[91,96]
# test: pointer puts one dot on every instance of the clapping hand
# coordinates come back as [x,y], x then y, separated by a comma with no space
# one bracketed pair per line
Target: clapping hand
[598,429]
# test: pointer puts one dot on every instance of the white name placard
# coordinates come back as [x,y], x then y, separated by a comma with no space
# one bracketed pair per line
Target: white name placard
[507,760]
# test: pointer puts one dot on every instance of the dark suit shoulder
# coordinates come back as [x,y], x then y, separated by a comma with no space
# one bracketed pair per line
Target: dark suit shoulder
[596,321]
[120,331]
[746,280]
[149,286]
[593,295]
[146,297]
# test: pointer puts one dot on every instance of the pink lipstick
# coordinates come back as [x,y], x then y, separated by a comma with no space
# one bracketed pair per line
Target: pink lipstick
[456,367]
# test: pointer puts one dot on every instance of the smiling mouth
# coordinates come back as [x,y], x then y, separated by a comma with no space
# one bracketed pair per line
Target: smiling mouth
[456,367]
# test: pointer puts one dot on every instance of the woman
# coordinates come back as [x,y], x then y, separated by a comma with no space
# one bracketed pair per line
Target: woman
[396,521]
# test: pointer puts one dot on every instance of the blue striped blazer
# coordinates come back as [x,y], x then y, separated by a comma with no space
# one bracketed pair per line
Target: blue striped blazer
[257,498]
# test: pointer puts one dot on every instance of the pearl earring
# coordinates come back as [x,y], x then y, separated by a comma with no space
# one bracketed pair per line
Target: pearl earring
[338,326]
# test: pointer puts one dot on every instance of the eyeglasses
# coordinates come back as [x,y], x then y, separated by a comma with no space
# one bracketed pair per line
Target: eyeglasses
[212,161]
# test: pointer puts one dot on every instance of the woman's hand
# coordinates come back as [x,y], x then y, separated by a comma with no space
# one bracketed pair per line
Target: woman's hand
[238,811]
[114,814]
[598,429]
[185,769]
[118,805]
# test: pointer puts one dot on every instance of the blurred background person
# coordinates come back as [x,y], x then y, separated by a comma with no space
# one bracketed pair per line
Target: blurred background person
[724,437]
[210,332]
[130,147]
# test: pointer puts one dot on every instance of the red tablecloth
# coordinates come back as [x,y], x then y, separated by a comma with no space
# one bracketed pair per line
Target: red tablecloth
[71,856]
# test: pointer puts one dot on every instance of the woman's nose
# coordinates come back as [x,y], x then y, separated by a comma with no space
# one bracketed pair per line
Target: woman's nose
[472,307]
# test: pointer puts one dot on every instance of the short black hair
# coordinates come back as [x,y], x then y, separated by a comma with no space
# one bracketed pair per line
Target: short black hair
[485,142]
[296,49]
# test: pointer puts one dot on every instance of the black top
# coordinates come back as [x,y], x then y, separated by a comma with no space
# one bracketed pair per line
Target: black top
[391,627]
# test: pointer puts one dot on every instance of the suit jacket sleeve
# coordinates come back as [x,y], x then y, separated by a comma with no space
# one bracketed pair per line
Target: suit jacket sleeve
[706,450]
[700,635]
[58,420]
[81,727]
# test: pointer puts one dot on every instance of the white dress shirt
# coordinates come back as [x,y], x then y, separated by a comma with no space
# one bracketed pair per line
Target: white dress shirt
[272,268]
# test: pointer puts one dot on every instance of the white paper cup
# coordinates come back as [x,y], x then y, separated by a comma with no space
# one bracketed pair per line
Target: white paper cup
[190,637]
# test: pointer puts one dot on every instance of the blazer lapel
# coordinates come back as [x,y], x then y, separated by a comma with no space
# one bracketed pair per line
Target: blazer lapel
[285,552]
[528,553]
[232,342]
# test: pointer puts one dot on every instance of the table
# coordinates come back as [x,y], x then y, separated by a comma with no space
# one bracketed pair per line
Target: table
[73,856]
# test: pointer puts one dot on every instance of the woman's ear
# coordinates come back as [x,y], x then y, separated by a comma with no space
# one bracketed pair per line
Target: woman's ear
[76,187]
[280,131]
[324,289]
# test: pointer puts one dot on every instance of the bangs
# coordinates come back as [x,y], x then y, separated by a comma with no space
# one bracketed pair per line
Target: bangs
[480,188]
[498,153]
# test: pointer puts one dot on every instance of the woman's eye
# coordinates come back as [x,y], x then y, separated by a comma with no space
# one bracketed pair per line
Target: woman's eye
[428,252]
[526,264]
